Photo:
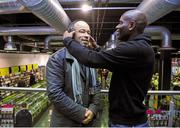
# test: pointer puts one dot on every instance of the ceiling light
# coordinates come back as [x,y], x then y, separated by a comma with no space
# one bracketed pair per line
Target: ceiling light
[10,45]
[86,7]
[35,49]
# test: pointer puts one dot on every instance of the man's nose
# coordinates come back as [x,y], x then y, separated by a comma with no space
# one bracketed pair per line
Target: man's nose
[117,26]
[87,35]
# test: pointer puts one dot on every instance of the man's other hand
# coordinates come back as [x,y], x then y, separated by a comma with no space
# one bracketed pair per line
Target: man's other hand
[88,116]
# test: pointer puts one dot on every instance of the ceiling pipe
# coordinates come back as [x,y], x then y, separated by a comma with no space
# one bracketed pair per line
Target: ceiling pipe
[155,9]
[40,30]
[96,1]
[50,11]
[9,7]
[51,38]
[164,32]
[101,8]
[14,6]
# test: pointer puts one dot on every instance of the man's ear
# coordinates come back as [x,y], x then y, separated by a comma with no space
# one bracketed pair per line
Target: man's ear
[132,25]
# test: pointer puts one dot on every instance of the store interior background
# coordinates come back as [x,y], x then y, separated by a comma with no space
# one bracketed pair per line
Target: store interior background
[36,36]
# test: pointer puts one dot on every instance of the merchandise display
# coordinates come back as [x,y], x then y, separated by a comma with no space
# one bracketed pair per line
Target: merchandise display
[6,115]
[37,101]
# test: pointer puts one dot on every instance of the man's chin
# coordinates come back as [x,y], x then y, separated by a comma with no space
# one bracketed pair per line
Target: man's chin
[84,42]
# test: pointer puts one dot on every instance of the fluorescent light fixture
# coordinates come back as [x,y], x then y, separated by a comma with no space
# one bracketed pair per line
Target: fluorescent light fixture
[86,7]
[35,50]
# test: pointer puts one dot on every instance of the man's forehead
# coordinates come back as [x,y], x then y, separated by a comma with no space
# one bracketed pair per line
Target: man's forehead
[81,24]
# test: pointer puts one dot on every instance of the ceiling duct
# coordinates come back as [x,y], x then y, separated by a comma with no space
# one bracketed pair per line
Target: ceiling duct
[10,45]
[155,9]
[50,11]
[112,43]
[52,38]
[164,32]
[10,6]
[96,1]
[41,30]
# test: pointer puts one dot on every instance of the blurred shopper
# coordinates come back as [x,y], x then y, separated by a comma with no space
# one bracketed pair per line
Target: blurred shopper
[72,87]
[21,82]
[23,118]
[131,63]
[32,79]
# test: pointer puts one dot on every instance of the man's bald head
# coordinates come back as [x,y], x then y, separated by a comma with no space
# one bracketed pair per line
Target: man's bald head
[81,31]
[138,17]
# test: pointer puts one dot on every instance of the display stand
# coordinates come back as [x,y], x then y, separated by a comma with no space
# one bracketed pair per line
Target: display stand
[7,115]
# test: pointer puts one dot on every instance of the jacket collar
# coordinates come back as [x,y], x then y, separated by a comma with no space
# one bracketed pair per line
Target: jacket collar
[68,56]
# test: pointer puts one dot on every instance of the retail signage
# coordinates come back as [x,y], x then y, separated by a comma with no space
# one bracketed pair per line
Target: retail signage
[23,68]
[35,66]
[15,69]
[29,67]
[4,71]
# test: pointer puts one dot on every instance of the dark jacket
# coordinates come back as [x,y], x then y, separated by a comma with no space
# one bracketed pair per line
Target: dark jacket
[23,118]
[66,112]
[131,64]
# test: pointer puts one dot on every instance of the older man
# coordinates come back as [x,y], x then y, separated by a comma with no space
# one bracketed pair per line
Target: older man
[72,87]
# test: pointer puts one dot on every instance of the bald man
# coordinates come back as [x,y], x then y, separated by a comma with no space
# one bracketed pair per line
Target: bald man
[131,63]
[72,87]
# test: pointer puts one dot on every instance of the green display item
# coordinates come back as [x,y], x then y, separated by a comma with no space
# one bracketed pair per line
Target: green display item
[4,71]
[23,68]
[29,67]
[10,97]
[37,101]
[15,69]
[35,66]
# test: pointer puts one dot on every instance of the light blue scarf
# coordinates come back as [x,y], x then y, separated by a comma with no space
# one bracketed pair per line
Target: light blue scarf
[76,78]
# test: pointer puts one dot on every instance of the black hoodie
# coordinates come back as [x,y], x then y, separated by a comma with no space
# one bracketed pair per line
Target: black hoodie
[131,64]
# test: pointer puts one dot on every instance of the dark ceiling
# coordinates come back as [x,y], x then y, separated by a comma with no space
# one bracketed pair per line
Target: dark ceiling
[102,19]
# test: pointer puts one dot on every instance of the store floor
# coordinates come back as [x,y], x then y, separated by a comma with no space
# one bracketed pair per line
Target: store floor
[44,120]
[102,120]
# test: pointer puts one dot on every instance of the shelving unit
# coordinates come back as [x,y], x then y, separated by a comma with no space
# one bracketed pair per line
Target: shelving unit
[37,101]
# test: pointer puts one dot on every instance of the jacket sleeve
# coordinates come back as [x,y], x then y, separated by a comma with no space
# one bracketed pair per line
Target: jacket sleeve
[95,100]
[55,82]
[122,56]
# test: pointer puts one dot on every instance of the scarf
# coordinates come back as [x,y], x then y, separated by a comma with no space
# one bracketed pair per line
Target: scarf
[77,79]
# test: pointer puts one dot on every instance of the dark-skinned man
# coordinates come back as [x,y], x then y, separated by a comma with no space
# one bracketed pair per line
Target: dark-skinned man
[131,64]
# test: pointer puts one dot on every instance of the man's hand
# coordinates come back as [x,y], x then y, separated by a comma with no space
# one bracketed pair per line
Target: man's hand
[92,43]
[68,34]
[88,116]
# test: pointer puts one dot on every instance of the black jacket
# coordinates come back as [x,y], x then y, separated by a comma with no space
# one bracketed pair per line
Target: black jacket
[131,64]
[66,112]
[23,119]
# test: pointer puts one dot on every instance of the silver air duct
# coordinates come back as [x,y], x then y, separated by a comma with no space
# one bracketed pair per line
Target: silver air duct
[41,30]
[10,45]
[50,38]
[155,9]
[112,43]
[50,11]
[165,34]
[10,6]
[31,31]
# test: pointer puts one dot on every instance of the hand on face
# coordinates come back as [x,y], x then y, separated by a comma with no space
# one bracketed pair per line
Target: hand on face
[88,116]
[92,43]
[68,34]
